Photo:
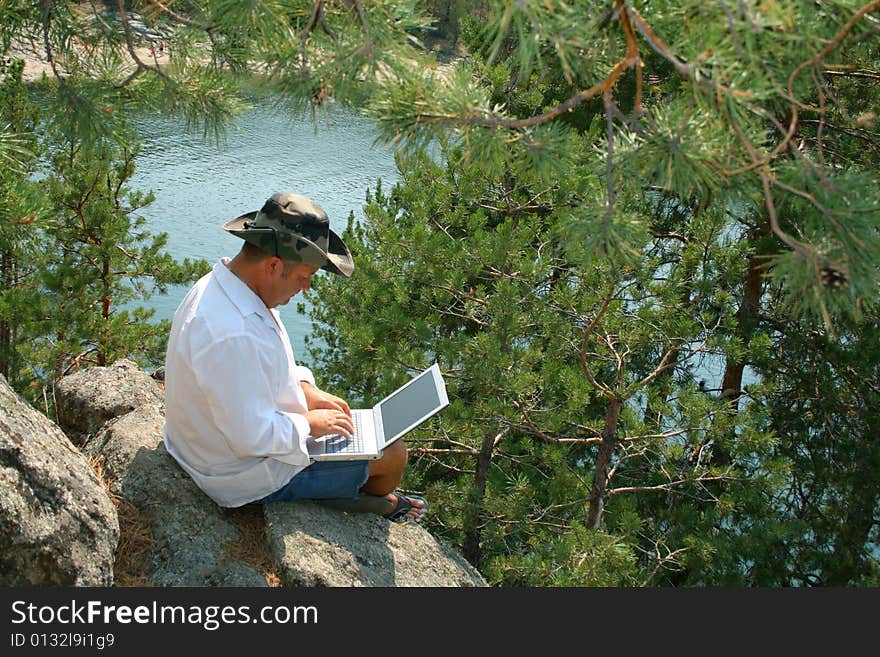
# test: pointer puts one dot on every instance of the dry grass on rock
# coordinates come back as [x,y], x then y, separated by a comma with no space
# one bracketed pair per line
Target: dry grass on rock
[134,552]
[252,547]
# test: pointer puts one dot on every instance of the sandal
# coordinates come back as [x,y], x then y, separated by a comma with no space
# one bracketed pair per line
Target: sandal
[404,505]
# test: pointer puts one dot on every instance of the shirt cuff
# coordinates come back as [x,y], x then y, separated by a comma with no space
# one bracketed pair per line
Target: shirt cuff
[301,431]
[304,430]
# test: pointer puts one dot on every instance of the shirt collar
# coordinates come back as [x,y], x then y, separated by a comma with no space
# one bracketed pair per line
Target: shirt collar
[243,297]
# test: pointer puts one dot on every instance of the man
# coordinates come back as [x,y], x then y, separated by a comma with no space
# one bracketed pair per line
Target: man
[238,409]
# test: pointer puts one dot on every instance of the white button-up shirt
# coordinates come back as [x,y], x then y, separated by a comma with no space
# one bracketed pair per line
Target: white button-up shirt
[234,406]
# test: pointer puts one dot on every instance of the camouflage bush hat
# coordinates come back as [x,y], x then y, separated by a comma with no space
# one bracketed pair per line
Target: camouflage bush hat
[293,227]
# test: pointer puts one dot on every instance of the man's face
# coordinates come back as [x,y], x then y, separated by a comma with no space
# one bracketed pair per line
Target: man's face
[288,279]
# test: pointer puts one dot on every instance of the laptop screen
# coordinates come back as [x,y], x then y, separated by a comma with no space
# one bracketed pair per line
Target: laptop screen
[410,405]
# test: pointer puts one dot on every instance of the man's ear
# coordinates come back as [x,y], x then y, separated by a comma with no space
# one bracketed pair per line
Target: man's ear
[272,264]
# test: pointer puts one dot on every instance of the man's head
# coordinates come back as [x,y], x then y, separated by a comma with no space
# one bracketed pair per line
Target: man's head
[274,280]
[286,242]
[293,228]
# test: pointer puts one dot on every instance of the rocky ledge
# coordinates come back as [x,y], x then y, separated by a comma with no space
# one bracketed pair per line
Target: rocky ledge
[60,524]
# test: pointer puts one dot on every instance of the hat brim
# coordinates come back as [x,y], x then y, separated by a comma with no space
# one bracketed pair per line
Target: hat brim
[339,258]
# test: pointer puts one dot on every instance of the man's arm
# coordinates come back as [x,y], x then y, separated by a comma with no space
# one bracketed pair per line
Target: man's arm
[232,375]
[316,399]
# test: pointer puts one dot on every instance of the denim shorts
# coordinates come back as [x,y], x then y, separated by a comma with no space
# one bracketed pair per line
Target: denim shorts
[323,480]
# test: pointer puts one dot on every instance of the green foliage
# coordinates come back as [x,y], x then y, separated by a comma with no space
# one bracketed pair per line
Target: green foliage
[77,259]
[577,558]
[838,276]
[823,405]
[22,210]
[101,258]
[630,284]
[457,266]
[643,249]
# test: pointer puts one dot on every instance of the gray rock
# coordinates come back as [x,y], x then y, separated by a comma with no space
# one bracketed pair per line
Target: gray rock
[190,533]
[58,525]
[318,546]
[92,396]
[314,545]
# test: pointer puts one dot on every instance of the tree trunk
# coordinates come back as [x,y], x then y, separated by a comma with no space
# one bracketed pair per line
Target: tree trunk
[5,328]
[746,319]
[603,465]
[105,315]
[473,514]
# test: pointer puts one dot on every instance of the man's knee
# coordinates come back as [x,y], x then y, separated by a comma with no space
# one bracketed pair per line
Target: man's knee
[393,459]
[397,449]
[396,453]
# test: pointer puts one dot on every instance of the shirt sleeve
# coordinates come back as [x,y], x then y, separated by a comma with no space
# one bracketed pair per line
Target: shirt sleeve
[235,376]
[305,374]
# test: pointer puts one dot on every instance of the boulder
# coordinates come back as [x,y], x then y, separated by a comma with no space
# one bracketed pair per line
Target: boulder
[58,525]
[92,396]
[190,532]
[317,546]
[311,545]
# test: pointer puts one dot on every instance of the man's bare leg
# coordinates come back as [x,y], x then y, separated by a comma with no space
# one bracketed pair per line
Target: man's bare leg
[386,473]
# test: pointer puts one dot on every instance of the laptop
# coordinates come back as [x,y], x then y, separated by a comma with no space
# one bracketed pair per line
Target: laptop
[376,428]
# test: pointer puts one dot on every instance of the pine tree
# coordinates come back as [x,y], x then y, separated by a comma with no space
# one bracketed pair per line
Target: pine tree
[695,97]
[21,213]
[97,261]
[706,469]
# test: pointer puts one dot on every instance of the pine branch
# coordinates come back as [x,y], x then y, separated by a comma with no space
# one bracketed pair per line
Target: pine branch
[731,29]
[608,103]
[47,12]
[630,59]
[867,137]
[662,436]
[827,50]
[860,73]
[432,450]
[587,332]
[458,294]
[445,439]
[670,486]
[365,26]
[558,507]
[661,563]
[531,428]
[795,104]
[177,18]
[140,66]
[686,70]
[105,28]
[316,15]
[529,206]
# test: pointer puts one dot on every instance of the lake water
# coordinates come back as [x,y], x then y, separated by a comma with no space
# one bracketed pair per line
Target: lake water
[200,184]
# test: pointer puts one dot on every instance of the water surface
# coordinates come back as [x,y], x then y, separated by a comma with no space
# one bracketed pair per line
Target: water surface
[200,184]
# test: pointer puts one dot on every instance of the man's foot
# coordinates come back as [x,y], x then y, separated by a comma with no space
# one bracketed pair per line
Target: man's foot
[407,508]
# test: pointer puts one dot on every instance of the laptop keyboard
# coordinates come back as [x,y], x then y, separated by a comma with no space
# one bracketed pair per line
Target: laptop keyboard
[339,444]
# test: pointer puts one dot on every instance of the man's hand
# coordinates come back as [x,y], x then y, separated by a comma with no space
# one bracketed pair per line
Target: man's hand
[316,399]
[325,421]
